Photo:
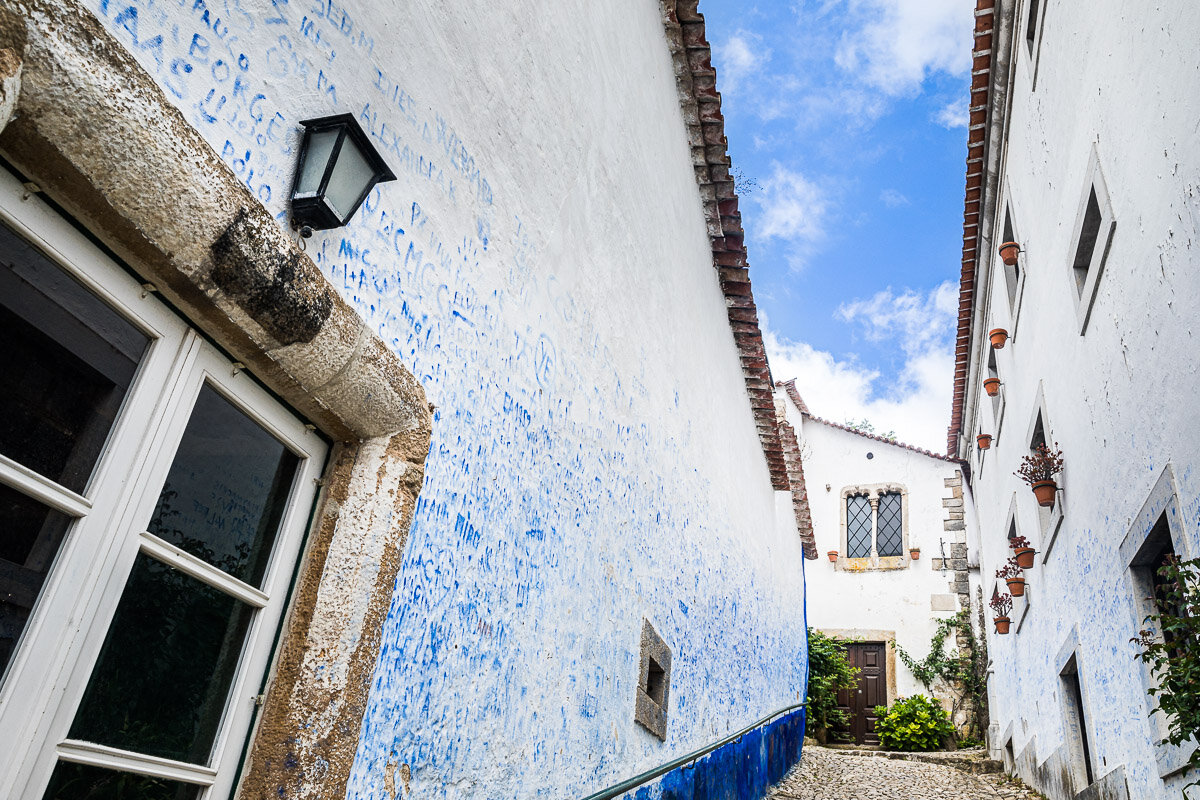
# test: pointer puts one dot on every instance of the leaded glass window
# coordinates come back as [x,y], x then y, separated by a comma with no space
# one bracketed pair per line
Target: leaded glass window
[858,526]
[890,539]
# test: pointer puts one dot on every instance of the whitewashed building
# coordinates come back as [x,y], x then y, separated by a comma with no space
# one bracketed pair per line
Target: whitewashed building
[895,533]
[1084,150]
[481,495]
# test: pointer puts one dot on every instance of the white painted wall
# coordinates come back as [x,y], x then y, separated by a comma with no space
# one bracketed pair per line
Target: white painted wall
[1121,397]
[891,600]
[542,266]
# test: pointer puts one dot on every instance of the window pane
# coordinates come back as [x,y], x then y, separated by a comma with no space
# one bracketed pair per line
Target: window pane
[79,782]
[66,364]
[891,531]
[160,684]
[858,527]
[30,534]
[226,490]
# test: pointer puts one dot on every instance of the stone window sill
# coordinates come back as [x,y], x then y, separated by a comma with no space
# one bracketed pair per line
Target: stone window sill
[877,564]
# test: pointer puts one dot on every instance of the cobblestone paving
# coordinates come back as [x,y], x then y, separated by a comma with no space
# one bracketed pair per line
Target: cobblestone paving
[825,774]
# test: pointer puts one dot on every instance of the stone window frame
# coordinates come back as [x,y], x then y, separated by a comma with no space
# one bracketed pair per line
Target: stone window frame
[1161,501]
[1084,296]
[873,562]
[225,265]
[653,693]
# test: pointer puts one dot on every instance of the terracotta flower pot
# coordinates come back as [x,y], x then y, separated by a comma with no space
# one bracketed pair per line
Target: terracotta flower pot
[1044,492]
[992,386]
[833,554]
[1016,586]
[1009,252]
[915,553]
[1024,557]
[984,440]
[1002,624]
[998,337]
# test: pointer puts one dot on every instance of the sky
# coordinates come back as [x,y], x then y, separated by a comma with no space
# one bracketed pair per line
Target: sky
[846,122]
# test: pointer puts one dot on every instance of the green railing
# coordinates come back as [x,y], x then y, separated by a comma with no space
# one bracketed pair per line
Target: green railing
[638,780]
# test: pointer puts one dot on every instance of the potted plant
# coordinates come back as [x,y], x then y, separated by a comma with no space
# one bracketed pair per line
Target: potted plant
[1001,605]
[1011,574]
[992,386]
[833,554]
[1038,470]
[914,553]
[1009,252]
[1024,553]
[984,440]
[998,336]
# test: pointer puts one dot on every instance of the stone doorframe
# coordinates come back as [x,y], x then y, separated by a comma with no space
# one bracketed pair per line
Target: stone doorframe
[89,128]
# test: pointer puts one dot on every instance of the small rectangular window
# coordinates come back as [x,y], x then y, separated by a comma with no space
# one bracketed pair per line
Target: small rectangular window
[1031,26]
[1075,723]
[1012,272]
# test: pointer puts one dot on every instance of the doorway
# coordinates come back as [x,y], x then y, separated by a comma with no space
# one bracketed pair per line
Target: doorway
[859,703]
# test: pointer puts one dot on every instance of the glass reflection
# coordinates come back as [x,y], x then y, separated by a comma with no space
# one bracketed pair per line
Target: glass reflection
[66,365]
[79,782]
[226,491]
[30,535]
[165,670]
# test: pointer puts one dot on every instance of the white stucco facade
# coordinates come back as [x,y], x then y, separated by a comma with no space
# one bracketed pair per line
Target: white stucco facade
[542,266]
[879,599]
[1087,97]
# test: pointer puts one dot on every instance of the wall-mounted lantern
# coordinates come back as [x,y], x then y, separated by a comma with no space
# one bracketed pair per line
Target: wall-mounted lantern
[338,167]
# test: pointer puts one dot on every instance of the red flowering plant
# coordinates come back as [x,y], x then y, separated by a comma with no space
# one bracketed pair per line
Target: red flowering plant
[1018,542]
[1010,570]
[1001,604]
[1040,465]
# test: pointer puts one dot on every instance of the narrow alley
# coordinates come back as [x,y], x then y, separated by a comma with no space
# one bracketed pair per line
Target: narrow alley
[828,774]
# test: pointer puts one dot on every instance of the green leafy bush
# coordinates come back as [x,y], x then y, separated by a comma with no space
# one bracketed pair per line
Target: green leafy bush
[913,723]
[828,672]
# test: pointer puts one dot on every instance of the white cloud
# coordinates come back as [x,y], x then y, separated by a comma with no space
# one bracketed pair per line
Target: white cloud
[917,322]
[917,406]
[740,57]
[899,42]
[794,209]
[893,199]
[953,115]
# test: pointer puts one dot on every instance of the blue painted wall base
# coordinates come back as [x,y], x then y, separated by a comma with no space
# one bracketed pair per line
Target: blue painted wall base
[743,770]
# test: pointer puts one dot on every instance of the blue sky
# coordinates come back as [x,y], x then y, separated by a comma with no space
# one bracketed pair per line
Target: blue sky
[848,120]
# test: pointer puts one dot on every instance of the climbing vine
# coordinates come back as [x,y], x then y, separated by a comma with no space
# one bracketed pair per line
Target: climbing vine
[964,671]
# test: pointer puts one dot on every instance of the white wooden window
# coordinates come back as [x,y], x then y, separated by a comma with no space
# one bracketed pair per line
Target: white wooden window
[158,498]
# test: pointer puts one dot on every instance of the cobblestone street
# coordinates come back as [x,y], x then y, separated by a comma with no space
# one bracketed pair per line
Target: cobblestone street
[826,774]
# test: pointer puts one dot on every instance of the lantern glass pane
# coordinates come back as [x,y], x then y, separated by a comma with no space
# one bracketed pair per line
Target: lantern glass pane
[320,145]
[352,175]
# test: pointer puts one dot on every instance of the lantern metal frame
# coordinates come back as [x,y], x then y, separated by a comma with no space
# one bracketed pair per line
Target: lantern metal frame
[311,210]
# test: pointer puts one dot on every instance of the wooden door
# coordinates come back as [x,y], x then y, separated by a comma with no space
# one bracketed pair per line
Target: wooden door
[859,703]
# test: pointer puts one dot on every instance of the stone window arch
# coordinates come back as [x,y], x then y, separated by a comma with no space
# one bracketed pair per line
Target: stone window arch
[874,526]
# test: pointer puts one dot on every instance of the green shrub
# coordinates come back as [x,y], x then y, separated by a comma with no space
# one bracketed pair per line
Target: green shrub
[913,723]
[970,741]
[828,672]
